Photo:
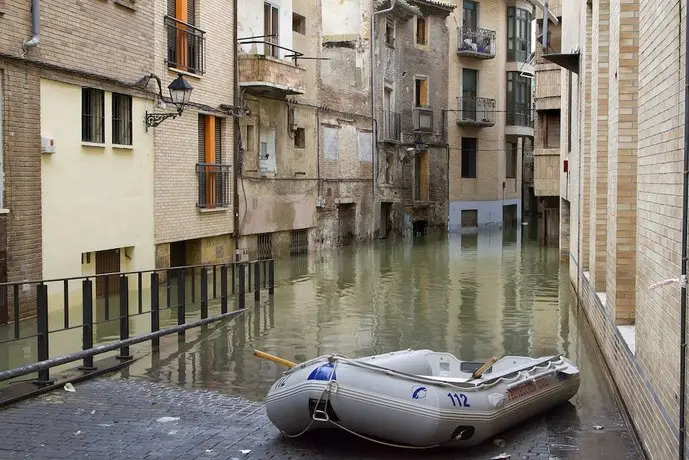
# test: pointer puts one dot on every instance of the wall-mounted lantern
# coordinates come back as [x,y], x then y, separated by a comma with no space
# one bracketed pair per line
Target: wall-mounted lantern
[419,144]
[180,94]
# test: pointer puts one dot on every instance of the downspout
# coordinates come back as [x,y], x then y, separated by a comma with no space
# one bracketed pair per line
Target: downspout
[374,127]
[683,277]
[35,26]
[235,124]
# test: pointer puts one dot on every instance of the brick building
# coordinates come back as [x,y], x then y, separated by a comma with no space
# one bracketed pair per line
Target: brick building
[622,88]
[75,155]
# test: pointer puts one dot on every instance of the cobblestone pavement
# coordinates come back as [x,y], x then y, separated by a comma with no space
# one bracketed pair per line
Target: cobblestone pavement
[120,418]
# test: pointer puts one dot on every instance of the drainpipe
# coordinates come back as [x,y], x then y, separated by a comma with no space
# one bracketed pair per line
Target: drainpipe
[374,134]
[235,124]
[35,26]
[683,277]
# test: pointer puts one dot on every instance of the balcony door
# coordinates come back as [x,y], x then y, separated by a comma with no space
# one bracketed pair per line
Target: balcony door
[271,28]
[469,93]
[470,17]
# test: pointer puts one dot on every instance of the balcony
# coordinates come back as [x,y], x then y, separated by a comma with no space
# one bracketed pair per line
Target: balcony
[214,185]
[186,47]
[476,111]
[390,127]
[268,75]
[519,120]
[423,119]
[476,43]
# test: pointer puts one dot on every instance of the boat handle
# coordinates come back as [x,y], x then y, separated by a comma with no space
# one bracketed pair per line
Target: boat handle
[320,415]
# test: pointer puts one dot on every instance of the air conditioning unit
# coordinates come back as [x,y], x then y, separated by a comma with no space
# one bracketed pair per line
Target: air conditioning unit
[293,119]
[241,255]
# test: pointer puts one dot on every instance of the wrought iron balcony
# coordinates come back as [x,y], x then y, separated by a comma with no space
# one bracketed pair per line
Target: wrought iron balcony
[390,127]
[476,111]
[423,119]
[519,115]
[214,185]
[476,43]
[186,46]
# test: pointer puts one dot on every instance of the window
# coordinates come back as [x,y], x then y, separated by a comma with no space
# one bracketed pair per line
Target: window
[389,32]
[121,119]
[213,175]
[469,147]
[511,160]
[185,42]
[518,34]
[92,115]
[469,218]
[271,28]
[551,129]
[389,158]
[469,93]
[421,176]
[421,31]
[470,17]
[298,24]
[518,100]
[421,92]
[300,138]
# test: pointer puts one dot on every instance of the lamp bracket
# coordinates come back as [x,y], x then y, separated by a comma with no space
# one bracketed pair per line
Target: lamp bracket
[155,119]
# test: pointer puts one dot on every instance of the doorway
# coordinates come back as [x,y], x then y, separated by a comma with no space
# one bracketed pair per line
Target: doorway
[469,93]
[107,262]
[385,219]
[346,216]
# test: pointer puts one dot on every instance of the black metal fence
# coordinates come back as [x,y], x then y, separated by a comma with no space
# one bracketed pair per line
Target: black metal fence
[172,289]
[423,119]
[476,110]
[476,41]
[186,46]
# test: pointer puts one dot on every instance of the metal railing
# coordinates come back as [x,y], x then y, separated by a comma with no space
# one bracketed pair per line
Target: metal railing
[271,48]
[390,127]
[186,46]
[214,185]
[476,110]
[138,294]
[519,115]
[423,119]
[475,41]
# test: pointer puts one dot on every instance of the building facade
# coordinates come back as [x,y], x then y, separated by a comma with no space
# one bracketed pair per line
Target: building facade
[77,161]
[410,102]
[546,155]
[194,152]
[490,92]
[623,92]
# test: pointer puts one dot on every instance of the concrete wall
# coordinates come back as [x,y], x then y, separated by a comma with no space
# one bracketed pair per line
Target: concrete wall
[94,197]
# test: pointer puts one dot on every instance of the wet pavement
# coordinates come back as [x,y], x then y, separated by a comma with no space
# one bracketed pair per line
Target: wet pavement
[473,295]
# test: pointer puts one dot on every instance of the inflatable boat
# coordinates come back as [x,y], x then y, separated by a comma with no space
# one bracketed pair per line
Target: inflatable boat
[418,398]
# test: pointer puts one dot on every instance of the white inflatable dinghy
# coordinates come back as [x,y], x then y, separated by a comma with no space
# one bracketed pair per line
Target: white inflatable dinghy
[418,398]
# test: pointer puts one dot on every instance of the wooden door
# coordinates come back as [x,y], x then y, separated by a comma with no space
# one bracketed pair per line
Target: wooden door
[107,262]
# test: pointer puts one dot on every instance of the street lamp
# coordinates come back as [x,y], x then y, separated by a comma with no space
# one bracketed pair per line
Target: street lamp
[180,94]
[419,144]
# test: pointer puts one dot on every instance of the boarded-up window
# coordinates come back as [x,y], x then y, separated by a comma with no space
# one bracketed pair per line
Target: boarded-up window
[107,262]
[365,147]
[551,129]
[421,31]
[421,92]
[469,218]
[331,142]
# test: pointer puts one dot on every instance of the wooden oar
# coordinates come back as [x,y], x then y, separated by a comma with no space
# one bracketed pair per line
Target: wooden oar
[273,358]
[479,372]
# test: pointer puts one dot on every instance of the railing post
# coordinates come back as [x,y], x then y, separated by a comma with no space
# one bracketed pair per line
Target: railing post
[43,351]
[181,307]
[257,281]
[248,268]
[155,308]
[223,289]
[241,301]
[271,277]
[87,323]
[215,285]
[204,293]
[234,280]
[124,316]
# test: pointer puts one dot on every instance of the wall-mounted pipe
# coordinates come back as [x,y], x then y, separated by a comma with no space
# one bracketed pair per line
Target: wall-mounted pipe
[35,26]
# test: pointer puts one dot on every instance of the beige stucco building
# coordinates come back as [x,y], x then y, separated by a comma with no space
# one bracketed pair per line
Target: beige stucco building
[621,196]
[490,112]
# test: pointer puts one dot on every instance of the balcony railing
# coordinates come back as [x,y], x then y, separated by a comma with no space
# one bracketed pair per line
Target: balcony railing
[186,46]
[478,43]
[390,127]
[476,111]
[423,119]
[214,185]
[519,115]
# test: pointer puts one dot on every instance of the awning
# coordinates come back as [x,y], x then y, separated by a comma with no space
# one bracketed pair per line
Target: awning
[569,61]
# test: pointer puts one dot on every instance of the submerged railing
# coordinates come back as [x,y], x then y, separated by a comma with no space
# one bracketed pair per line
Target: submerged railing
[122,298]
